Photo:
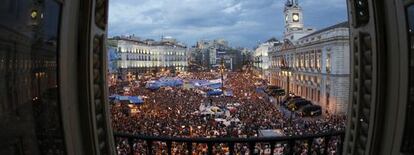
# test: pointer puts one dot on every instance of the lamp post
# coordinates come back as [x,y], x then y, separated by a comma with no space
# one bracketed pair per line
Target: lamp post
[286,70]
[221,68]
[291,115]
[258,61]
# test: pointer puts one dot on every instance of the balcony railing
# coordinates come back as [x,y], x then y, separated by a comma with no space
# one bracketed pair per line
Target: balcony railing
[326,143]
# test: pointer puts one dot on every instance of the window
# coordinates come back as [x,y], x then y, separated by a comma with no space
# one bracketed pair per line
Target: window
[328,63]
[307,60]
[312,59]
[408,141]
[29,82]
[318,60]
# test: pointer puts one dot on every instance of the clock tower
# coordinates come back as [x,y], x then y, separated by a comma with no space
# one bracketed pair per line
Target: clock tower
[294,20]
[293,16]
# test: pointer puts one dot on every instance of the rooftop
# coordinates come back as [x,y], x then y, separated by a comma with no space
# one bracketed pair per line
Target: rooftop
[339,25]
[149,42]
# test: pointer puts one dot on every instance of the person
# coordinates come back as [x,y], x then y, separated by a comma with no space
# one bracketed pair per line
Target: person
[171,112]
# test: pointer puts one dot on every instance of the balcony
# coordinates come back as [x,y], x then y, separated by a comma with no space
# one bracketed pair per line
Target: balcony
[326,143]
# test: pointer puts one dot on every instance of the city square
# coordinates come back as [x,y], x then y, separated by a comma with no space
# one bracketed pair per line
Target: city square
[207,77]
[175,111]
[293,87]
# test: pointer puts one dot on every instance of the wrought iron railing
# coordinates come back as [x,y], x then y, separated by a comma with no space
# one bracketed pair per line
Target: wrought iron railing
[327,143]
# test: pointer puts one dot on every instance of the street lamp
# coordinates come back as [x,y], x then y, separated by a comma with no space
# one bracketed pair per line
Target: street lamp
[291,115]
[221,68]
[286,70]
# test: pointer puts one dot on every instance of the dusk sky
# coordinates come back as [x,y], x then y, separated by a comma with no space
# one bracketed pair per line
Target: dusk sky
[243,23]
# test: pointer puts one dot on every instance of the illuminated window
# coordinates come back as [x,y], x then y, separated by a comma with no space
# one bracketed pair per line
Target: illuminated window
[312,59]
[306,60]
[328,62]
[318,59]
[297,60]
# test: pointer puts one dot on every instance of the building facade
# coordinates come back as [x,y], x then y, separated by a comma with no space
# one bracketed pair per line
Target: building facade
[137,57]
[262,59]
[316,67]
[210,54]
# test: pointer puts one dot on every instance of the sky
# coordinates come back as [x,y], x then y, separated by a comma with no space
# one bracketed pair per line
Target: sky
[244,23]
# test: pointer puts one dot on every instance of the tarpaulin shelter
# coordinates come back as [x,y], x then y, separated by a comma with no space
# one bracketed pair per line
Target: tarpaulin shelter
[122,98]
[153,85]
[199,83]
[112,97]
[215,92]
[164,82]
[135,100]
[172,82]
[228,93]
[214,85]
[129,99]
[215,81]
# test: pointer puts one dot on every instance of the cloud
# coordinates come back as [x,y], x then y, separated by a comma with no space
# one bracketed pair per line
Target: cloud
[242,22]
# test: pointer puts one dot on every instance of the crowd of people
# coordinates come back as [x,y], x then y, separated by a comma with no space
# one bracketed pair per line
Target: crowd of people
[172,112]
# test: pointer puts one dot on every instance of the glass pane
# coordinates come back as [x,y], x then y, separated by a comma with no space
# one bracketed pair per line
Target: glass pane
[29,98]
[408,143]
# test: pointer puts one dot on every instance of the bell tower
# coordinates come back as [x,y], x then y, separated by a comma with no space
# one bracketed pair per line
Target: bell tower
[293,16]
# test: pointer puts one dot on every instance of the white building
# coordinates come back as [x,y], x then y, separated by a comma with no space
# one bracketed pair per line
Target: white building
[315,66]
[261,57]
[138,57]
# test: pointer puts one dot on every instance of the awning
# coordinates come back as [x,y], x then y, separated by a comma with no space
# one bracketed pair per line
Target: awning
[215,92]
[153,86]
[112,97]
[122,98]
[136,100]
[214,85]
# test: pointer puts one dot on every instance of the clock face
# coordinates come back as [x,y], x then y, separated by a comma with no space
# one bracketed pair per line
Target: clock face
[295,17]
